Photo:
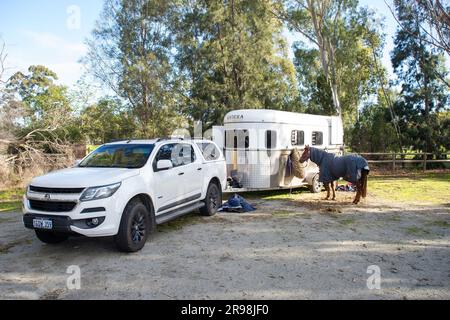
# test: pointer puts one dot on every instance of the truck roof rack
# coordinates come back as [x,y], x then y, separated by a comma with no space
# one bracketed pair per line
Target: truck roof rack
[118,140]
[169,138]
[157,140]
[125,140]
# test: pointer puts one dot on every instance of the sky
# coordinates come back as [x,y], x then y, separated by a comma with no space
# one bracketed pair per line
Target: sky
[53,33]
[48,32]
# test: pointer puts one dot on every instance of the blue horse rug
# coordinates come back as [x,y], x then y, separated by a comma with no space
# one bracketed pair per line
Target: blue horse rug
[236,203]
[333,167]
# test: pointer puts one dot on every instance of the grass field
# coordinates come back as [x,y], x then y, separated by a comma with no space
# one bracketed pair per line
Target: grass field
[425,188]
[10,200]
[420,188]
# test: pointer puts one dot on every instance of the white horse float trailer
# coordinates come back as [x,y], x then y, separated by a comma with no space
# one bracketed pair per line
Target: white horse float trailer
[257,144]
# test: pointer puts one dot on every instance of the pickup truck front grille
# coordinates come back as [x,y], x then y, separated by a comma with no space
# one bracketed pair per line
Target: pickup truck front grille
[52,206]
[56,190]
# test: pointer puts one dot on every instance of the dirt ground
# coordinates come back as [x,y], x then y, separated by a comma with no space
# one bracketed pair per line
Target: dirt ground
[298,248]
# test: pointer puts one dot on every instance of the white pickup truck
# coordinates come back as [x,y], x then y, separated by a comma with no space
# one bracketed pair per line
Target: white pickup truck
[124,189]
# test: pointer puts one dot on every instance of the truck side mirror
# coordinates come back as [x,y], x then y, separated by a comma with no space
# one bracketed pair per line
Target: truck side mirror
[164,165]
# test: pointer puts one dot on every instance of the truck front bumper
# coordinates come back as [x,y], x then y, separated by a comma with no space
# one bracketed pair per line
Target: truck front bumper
[80,219]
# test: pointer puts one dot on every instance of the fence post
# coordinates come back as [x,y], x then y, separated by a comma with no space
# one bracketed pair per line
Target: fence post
[425,161]
[394,155]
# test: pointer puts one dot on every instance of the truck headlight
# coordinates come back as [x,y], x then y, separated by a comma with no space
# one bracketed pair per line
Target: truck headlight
[95,193]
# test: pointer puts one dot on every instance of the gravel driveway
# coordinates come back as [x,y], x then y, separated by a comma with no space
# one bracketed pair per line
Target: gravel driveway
[287,249]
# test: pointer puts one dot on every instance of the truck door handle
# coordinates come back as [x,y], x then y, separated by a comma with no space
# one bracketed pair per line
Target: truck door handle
[181,173]
[199,169]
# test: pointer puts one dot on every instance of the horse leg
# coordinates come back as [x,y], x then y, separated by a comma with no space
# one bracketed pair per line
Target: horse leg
[358,192]
[333,186]
[327,187]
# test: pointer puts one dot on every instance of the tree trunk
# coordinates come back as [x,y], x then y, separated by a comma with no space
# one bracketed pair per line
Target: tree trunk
[326,51]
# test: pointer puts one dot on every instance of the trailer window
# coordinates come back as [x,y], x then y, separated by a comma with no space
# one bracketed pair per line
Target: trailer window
[271,139]
[317,138]
[237,139]
[297,138]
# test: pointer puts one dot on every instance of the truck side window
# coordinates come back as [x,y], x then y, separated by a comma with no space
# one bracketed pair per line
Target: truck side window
[209,150]
[164,153]
[317,138]
[297,137]
[182,154]
[271,139]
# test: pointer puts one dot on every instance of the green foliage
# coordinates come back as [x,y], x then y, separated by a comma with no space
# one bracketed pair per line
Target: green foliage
[105,121]
[130,53]
[373,132]
[33,101]
[169,62]
[421,72]
[42,98]
[356,36]
[231,55]
[314,90]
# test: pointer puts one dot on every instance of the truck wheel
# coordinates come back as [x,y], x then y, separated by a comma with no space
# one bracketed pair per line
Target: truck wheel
[135,227]
[213,200]
[315,186]
[51,237]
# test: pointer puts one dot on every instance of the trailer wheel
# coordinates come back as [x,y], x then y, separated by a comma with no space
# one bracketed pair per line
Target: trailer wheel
[316,186]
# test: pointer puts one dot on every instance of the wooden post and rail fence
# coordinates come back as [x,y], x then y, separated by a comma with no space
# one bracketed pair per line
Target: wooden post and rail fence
[396,159]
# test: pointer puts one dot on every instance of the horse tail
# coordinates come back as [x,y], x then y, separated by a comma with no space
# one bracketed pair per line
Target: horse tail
[364,175]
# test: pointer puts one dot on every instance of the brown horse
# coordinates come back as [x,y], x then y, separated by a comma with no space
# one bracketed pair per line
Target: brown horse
[352,168]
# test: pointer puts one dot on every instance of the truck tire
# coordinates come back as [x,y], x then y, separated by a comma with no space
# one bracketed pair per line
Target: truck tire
[135,226]
[51,237]
[213,200]
[315,186]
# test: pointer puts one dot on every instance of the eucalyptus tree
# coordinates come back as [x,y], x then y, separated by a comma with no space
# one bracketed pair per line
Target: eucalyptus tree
[231,55]
[130,52]
[423,78]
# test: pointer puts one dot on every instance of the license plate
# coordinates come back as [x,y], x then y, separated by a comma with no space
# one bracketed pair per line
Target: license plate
[42,224]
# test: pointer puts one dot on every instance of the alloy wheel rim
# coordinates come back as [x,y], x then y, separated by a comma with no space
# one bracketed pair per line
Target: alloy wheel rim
[214,199]
[138,228]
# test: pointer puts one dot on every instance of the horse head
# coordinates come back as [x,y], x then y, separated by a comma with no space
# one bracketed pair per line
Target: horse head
[306,154]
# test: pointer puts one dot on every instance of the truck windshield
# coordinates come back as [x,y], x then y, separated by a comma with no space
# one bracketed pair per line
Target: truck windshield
[118,156]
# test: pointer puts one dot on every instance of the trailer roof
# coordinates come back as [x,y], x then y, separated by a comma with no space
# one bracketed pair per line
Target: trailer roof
[272,116]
